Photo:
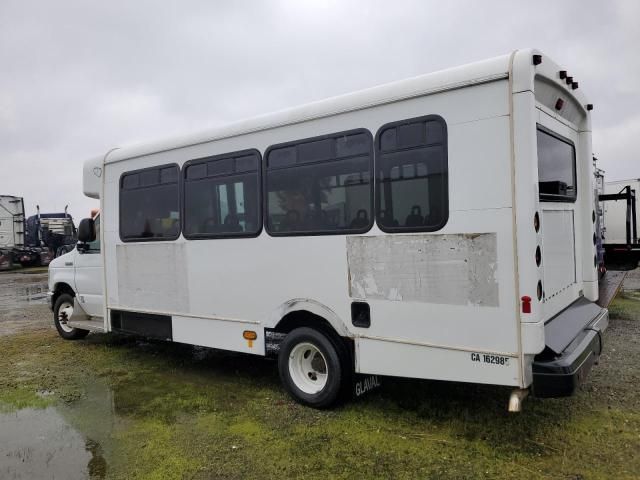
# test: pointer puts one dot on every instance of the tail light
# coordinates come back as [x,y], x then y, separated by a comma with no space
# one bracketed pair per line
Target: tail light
[526,304]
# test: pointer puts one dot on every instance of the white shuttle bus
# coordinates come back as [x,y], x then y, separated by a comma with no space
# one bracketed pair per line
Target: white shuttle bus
[439,227]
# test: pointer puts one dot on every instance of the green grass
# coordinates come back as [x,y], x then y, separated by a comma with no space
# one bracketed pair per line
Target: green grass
[625,306]
[161,411]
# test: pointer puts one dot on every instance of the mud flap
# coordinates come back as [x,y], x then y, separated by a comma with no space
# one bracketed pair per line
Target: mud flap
[363,384]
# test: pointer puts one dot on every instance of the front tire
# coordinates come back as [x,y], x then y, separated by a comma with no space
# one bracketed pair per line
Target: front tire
[62,310]
[313,367]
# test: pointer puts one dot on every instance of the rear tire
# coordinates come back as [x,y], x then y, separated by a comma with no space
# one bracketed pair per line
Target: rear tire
[313,367]
[62,309]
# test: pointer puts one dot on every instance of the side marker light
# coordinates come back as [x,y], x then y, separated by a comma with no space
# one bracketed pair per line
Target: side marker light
[249,336]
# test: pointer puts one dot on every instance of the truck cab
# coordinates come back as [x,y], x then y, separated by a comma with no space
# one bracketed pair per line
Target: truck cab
[76,284]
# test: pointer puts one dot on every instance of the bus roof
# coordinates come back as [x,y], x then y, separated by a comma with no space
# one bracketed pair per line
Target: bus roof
[466,75]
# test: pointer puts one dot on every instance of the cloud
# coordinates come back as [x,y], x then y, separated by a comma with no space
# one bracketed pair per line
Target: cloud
[615,150]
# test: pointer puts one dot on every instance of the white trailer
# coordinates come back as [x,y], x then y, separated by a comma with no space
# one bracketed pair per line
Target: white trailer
[438,227]
[11,221]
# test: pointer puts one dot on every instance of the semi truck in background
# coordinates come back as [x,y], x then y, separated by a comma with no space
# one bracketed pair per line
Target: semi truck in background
[35,240]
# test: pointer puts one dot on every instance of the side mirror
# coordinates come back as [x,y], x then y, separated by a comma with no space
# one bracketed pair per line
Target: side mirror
[86,230]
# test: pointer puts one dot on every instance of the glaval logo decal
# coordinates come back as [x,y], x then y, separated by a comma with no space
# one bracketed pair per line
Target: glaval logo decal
[366,385]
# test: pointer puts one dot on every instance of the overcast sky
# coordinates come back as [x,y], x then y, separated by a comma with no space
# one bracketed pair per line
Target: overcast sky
[80,77]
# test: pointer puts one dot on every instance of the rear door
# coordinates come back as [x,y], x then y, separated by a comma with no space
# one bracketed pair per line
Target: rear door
[557,180]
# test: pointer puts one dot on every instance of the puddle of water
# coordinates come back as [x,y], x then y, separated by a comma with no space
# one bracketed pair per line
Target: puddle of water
[18,290]
[83,438]
[42,444]
[63,442]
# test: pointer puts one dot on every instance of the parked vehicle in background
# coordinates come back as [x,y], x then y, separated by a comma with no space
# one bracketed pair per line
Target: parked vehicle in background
[621,207]
[36,240]
[598,175]
[11,221]
[53,230]
[439,227]
[6,259]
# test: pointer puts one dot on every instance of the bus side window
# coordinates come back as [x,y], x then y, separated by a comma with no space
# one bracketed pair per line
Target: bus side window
[412,182]
[320,185]
[150,204]
[222,196]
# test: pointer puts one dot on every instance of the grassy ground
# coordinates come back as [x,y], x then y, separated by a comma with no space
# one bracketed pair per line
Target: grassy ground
[164,411]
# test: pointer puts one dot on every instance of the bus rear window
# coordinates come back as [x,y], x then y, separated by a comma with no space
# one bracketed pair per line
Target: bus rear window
[556,168]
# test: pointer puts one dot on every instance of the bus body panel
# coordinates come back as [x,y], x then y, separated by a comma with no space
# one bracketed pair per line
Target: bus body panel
[251,278]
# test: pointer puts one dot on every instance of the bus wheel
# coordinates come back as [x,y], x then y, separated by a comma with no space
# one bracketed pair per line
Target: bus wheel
[311,367]
[62,311]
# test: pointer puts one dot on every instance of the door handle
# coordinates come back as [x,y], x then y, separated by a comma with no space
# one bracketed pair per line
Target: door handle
[68,264]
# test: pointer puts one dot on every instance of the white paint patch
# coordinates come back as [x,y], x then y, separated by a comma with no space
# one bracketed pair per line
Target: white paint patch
[449,269]
[153,277]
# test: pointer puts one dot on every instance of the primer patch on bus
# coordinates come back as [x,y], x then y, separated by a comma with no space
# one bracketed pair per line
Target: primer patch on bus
[153,277]
[451,269]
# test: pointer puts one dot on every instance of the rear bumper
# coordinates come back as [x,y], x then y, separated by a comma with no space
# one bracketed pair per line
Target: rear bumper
[561,375]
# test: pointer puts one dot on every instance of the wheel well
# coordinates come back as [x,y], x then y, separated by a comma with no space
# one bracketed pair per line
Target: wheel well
[304,318]
[59,289]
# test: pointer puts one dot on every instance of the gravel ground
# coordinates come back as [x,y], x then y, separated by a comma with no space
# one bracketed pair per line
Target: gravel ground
[23,301]
[632,280]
